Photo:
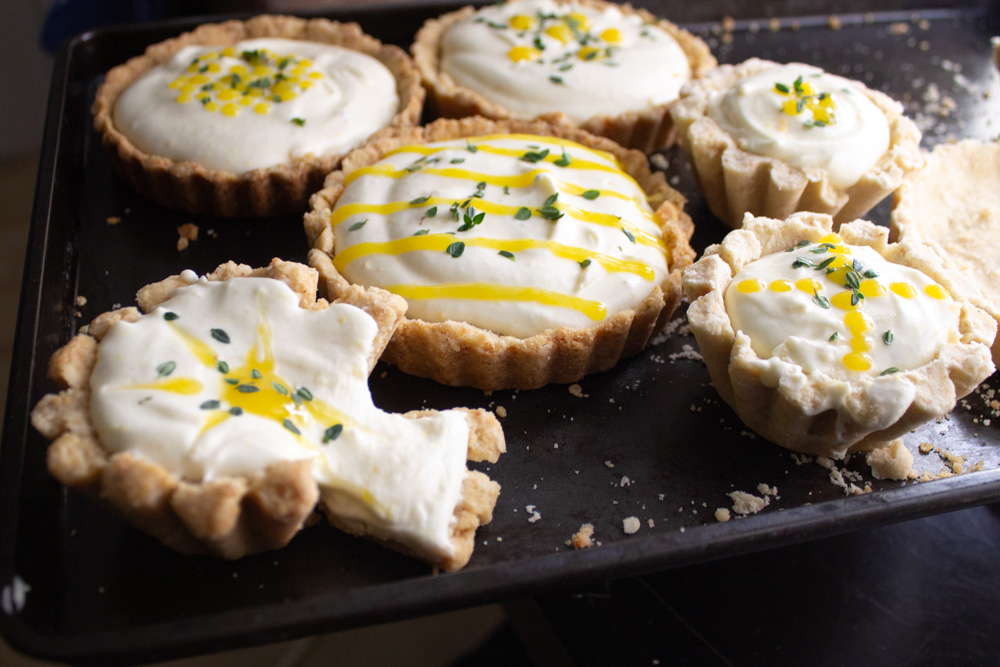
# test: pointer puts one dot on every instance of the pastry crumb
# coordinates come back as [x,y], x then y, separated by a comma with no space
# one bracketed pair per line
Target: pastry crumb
[501,411]
[583,538]
[722,515]
[746,503]
[899,28]
[891,462]
[535,514]
[631,525]
[81,301]
[834,23]
[113,219]
[187,233]
[926,448]
[577,390]
[659,161]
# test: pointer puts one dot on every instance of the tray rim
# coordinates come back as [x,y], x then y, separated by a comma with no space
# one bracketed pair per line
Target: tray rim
[393,600]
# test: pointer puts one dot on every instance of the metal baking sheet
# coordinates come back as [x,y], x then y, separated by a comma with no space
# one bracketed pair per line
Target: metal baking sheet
[648,439]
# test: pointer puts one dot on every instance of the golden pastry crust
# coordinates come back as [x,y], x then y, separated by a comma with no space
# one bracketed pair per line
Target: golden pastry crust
[649,130]
[234,516]
[791,414]
[460,354]
[192,188]
[953,205]
[735,182]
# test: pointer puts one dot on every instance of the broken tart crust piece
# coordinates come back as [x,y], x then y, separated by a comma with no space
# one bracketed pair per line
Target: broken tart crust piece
[283,188]
[735,181]
[953,205]
[461,354]
[818,413]
[257,494]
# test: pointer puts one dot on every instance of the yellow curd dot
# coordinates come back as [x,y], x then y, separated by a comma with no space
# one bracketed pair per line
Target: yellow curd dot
[820,114]
[809,286]
[214,68]
[856,322]
[828,103]
[612,35]
[229,94]
[229,52]
[870,288]
[246,100]
[842,300]
[211,55]
[262,70]
[560,32]
[298,70]
[230,109]
[749,286]
[791,107]
[306,85]
[904,290]
[588,53]
[856,361]
[780,286]
[784,92]
[315,75]
[861,344]
[578,21]
[521,22]
[831,238]
[282,86]
[287,96]
[184,98]
[193,67]
[305,63]
[936,292]
[238,69]
[522,53]
[189,88]
[179,81]
[262,108]
[211,106]
[807,88]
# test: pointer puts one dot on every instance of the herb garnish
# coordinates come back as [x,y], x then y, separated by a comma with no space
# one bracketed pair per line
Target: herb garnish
[889,371]
[564,161]
[287,423]
[210,405]
[418,200]
[170,316]
[557,79]
[332,433]
[220,335]
[165,369]
[835,336]
[821,300]
[236,411]
[304,394]
[470,219]
[299,121]
[628,235]
[888,337]
[431,212]
[523,213]
[506,253]
[421,232]
[456,249]
[591,194]
[247,388]
[222,366]
[535,156]
[255,374]
[280,388]
[584,263]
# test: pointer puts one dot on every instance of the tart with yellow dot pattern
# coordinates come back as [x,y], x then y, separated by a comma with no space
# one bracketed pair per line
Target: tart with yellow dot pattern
[828,343]
[528,253]
[772,139]
[609,69]
[244,119]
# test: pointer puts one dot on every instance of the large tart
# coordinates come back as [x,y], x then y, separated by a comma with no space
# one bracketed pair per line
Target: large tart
[772,139]
[831,343]
[247,118]
[219,418]
[610,69]
[528,253]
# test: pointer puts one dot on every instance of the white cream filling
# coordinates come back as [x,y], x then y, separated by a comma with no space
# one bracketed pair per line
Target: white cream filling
[566,62]
[803,317]
[156,381]
[845,139]
[399,225]
[347,97]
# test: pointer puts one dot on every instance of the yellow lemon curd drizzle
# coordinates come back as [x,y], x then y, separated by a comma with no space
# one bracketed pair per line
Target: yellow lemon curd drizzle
[604,219]
[595,310]
[440,242]
[528,138]
[178,385]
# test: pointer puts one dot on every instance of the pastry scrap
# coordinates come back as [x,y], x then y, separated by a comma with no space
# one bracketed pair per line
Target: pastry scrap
[773,139]
[527,253]
[218,419]
[246,118]
[953,205]
[831,343]
[609,69]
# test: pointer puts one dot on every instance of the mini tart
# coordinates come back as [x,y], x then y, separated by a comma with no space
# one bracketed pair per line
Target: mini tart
[735,181]
[458,353]
[230,457]
[647,129]
[284,188]
[814,394]
[953,205]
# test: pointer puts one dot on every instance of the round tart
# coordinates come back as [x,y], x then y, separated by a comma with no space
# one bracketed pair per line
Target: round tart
[528,253]
[831,343]
[245,119]
[216,421]
[773,139]
[609,69]
[953,205]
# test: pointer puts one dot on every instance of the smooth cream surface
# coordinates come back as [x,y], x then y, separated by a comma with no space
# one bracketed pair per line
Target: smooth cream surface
[167,390]
[441,225]
[538,56]
[804,315]
[844,135]
[192,108]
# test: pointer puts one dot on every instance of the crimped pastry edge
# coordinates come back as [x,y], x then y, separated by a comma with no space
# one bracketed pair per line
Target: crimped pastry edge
[280,189]
[786,414]
[649,130]
[460,354]
[735,181]
[231,517]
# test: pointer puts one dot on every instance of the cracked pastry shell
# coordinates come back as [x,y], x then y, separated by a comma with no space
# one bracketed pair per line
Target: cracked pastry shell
[647,130]
[461,354]
[280,189]
[793,412]
[735,181]
[231,516]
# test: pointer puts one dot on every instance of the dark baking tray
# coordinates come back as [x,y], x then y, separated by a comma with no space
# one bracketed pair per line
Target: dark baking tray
[648,439]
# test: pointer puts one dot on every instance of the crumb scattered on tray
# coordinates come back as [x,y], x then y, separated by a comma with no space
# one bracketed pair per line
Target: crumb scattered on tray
[113,219]
[834,23]
[187,233]
[501,411]
[687,352]
[81,301]
[659,161]
[577,390]
[899,28]
[892,462]
[722,514]
[746,503]
[583,538]
[631,525]
[535,514]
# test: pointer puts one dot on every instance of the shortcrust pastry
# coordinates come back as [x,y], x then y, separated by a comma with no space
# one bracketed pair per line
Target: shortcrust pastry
[773,139]
[218,419]
[247,118]
[611,70]
[831,343]
[953,204]
[528,253]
